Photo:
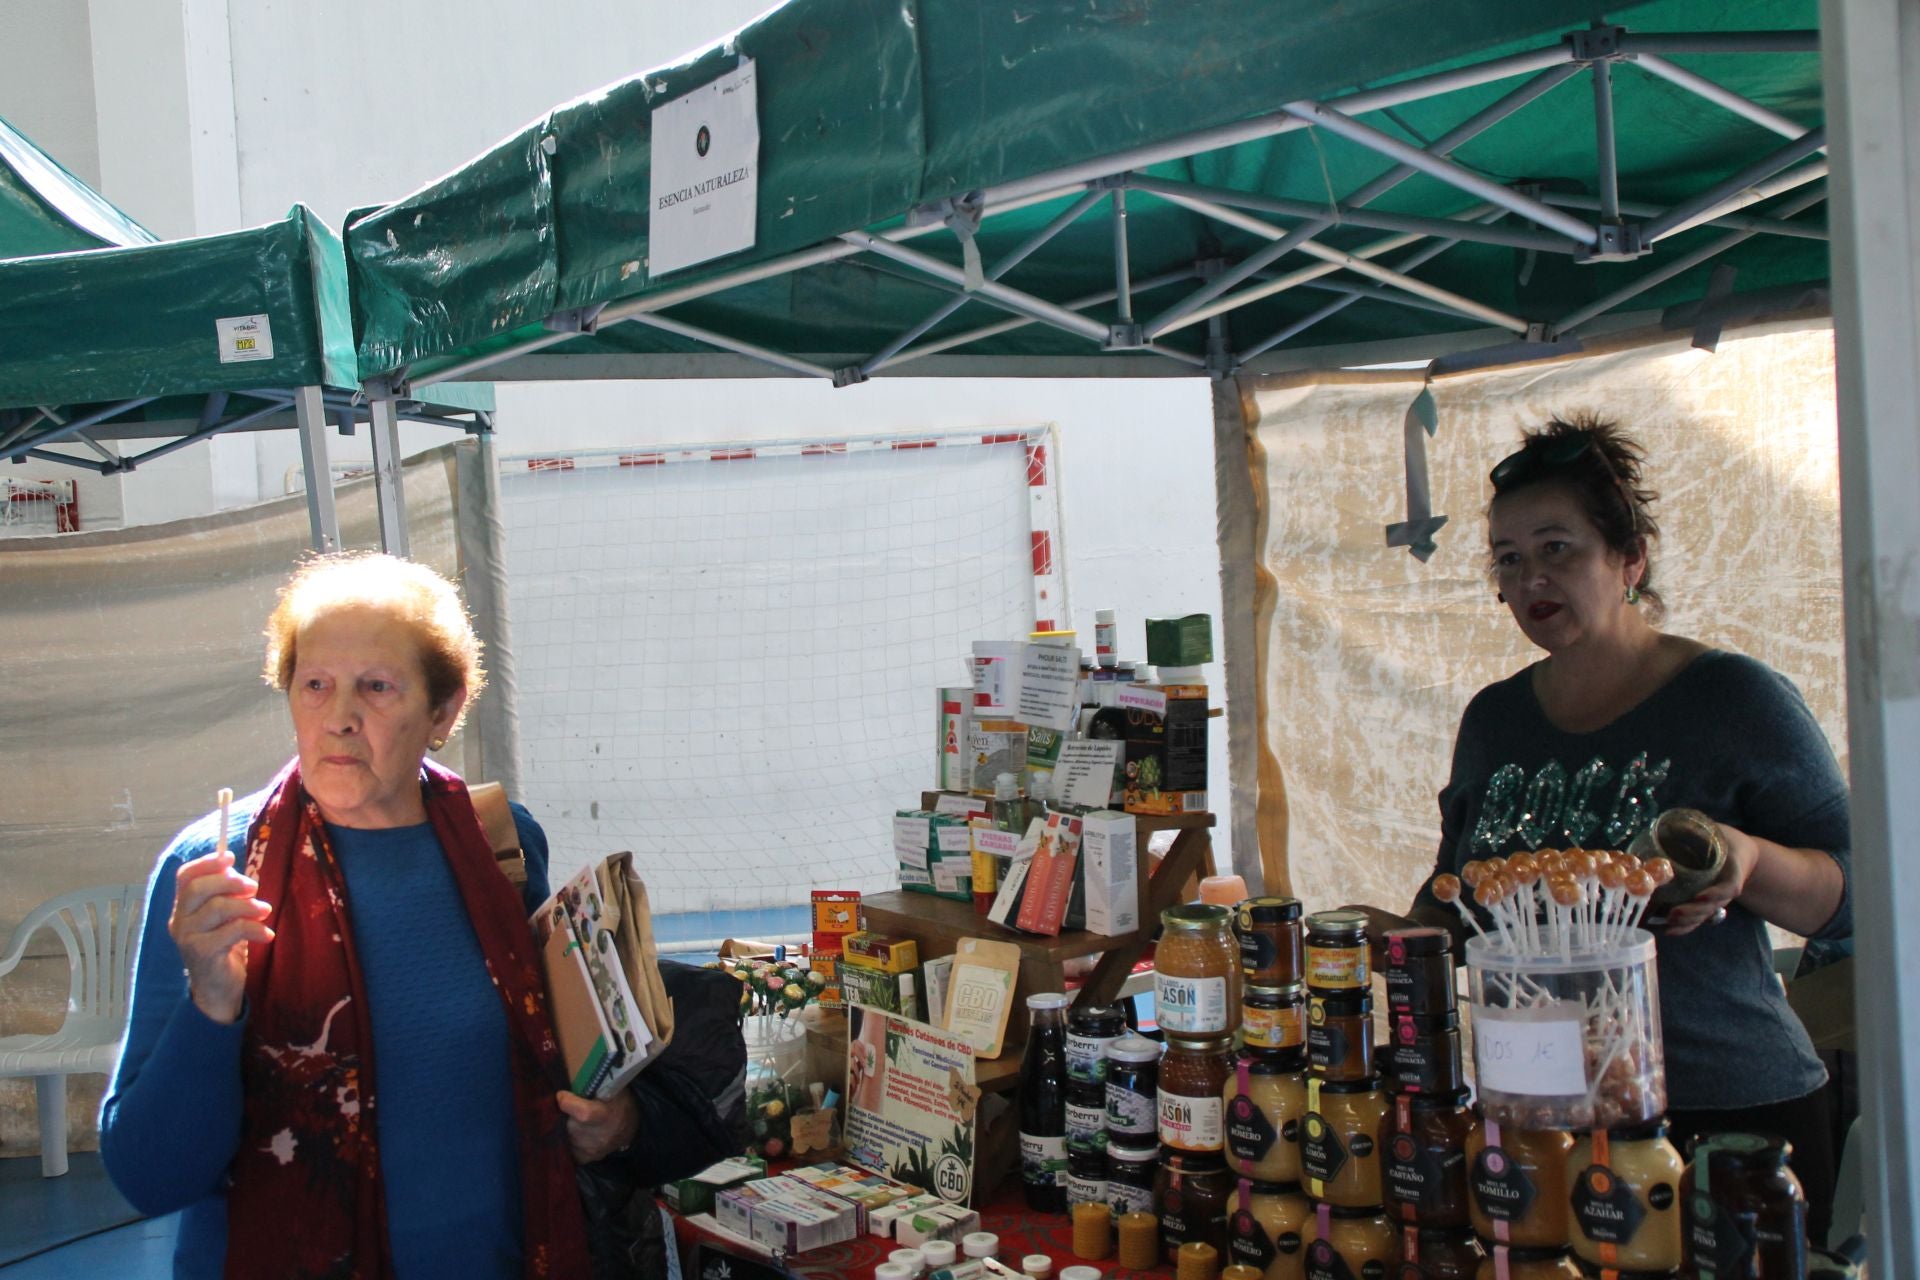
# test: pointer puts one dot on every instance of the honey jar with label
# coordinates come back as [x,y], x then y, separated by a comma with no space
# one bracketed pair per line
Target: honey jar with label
[1271,950]
[1340,1143]
[1192,1098]
[1274,1017]
[1438,1253]
[1517,1180]
[1626,1198]
[1196,983]
[1337,951]
[1266,1099]
[1424,1160]
[1268,1229]
[1349,1244]
[1340,1035]
[1193,1195]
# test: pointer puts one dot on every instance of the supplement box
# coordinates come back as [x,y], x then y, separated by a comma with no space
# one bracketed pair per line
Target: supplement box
[782,1213]
[836,913]
[941,1221]
[935,853]
[1166,752]
[882,1221]
[1110,863]
[865,1190]
[694,1195]
[1180,642]
[953,747]
[882,951]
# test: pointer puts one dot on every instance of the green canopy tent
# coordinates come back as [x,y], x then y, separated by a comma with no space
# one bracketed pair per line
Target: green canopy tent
[107,333]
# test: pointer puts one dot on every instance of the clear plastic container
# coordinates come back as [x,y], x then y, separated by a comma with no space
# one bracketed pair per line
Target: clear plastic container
[1568,1042]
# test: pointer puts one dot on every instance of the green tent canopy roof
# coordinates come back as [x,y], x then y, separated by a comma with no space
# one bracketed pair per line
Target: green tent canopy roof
[883,118]
[45,209]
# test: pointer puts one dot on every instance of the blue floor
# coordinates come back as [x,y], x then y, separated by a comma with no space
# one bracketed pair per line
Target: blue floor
[76,1225]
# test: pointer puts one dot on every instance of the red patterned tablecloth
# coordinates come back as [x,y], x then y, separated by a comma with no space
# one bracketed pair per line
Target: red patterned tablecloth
[1021,1232]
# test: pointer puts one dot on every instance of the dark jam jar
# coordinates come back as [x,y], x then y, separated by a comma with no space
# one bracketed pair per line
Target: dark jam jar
[1419,972]
[1086,1177]
[1130,1175]
[1089,1033]
[1340,1036]
[1746,1215]
[1437,1254]
[1133,1092]
[1423,1053]
[1192,1196]
[1423,1146]
[1272,948]
[1086,1116]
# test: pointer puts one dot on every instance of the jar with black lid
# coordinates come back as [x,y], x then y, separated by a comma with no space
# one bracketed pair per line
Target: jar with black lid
[1340,1143]
[1340,1035]
[1192,1097]
[1518,1184]
[1086,1176]
[1439,1253]
[1133,1092]
[1271,946]
[1274,1017]
[1419,971]
[1746,1215]
[1337,951]
[1266,1099]
[1192,1195]
[1130,1175]
[1423,1053]
[1089,1033]
[1086,1116]
[1424,1159]
[1626,1198]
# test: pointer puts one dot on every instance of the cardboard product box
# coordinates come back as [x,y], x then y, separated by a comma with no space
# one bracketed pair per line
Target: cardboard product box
[1110,865]
[882,1222]
[863,1187]
[999,746]
[694,1195]
[733,1206]
[953,754]
[1166,749]
[941,1221]
[836,913]
[1180,642]
[868,950]
[1050,879]
[828,967]
[876,989]
[782,1213]
[934,852]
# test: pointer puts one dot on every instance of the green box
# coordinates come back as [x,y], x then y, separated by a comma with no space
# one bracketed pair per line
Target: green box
[1180,642]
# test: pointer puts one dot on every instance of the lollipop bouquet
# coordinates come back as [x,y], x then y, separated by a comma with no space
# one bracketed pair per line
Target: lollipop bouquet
[787,1114]
[1566,1001]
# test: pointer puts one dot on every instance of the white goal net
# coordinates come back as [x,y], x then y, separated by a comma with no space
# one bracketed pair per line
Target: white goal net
[727,655]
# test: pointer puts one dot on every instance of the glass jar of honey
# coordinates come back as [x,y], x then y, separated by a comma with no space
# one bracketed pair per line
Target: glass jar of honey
[1271,950]
[1340,1035]
[1745,1213]
[1424,1159]
[1274,1017]
[1518,1184]
[1503,1263]
[1349,1244]
[1196,982]
[1266,1099]
[1436,1253]
[1423,1053]
[1337,951]
[1419,971]
[1192,1195]
[1626,1198]
[1192,1100]
[1340,1143]
[1268,1229]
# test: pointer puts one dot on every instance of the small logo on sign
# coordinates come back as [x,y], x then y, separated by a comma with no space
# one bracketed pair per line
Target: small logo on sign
[703,141]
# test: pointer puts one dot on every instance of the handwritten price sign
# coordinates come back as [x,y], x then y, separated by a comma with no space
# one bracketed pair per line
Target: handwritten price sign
[1533,1058]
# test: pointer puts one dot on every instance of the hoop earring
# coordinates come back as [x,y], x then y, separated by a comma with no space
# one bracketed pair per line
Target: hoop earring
[1633,595]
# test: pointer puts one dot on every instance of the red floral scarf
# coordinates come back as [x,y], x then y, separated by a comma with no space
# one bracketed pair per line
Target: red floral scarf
[306,1197]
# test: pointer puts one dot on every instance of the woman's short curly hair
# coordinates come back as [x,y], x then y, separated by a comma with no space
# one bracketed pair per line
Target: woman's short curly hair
[411,594]
[1607,477]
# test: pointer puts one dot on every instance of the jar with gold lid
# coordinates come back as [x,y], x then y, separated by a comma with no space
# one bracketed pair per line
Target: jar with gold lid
[1271,951]
[1266,1099]
[1337,951]
[1274,1017]
[1196,982]
[1349,1244]
[1268,1229]
[1340,1143]
[1517,1180]
[1192,1100]
[1424,1159]
[1626,1198]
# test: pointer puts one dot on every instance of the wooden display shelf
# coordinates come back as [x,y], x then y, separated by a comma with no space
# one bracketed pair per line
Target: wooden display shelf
[938,924]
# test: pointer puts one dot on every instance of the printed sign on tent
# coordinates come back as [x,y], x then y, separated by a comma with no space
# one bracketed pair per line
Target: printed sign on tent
[706,173]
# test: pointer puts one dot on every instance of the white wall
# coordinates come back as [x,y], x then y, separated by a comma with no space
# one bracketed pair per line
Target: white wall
[46,80]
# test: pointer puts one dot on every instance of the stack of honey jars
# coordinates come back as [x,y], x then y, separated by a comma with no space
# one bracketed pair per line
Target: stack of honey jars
[1266,1095]
[1424,1138]
[1348,1233]
[1197,997]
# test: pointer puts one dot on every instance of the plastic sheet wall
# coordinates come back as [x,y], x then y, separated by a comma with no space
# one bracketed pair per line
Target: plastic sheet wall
[1367,657]
[130,692]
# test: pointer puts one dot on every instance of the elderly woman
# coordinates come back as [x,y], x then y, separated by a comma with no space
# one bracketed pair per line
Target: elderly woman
[1620,722]
[340,1059]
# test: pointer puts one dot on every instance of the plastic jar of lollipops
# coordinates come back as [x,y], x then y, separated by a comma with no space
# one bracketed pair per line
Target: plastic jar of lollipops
[1568,1042]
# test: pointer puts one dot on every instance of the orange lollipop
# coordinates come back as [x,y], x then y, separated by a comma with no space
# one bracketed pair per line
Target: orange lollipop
[1661,869]
[1472,873]
[1488,891]
[1446,888]
[1583,863]
[1565,891]
[1523,869]
[1640,882]
[1612,877]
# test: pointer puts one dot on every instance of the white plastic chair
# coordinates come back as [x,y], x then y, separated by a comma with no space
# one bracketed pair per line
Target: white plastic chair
[98,927]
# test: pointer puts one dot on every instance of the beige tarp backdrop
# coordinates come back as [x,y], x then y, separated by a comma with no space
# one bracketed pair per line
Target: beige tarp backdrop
[130,692]
[1366,657]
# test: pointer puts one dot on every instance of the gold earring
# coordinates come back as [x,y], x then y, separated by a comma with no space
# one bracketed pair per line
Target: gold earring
[436,744]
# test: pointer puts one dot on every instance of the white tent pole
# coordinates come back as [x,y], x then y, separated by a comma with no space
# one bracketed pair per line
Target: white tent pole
[1719,95]
[792,364]
[989,291]
[309,408]
[1122,266]
[1871,70]
[1758,181]
[1770,225]
[1020,322]
[388,487]
[1603,141]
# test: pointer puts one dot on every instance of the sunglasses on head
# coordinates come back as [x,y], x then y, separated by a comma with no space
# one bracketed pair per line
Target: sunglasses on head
[1532,461]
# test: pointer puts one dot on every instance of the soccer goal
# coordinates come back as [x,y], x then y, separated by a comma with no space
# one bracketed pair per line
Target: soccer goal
[32,507]
[727,655]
